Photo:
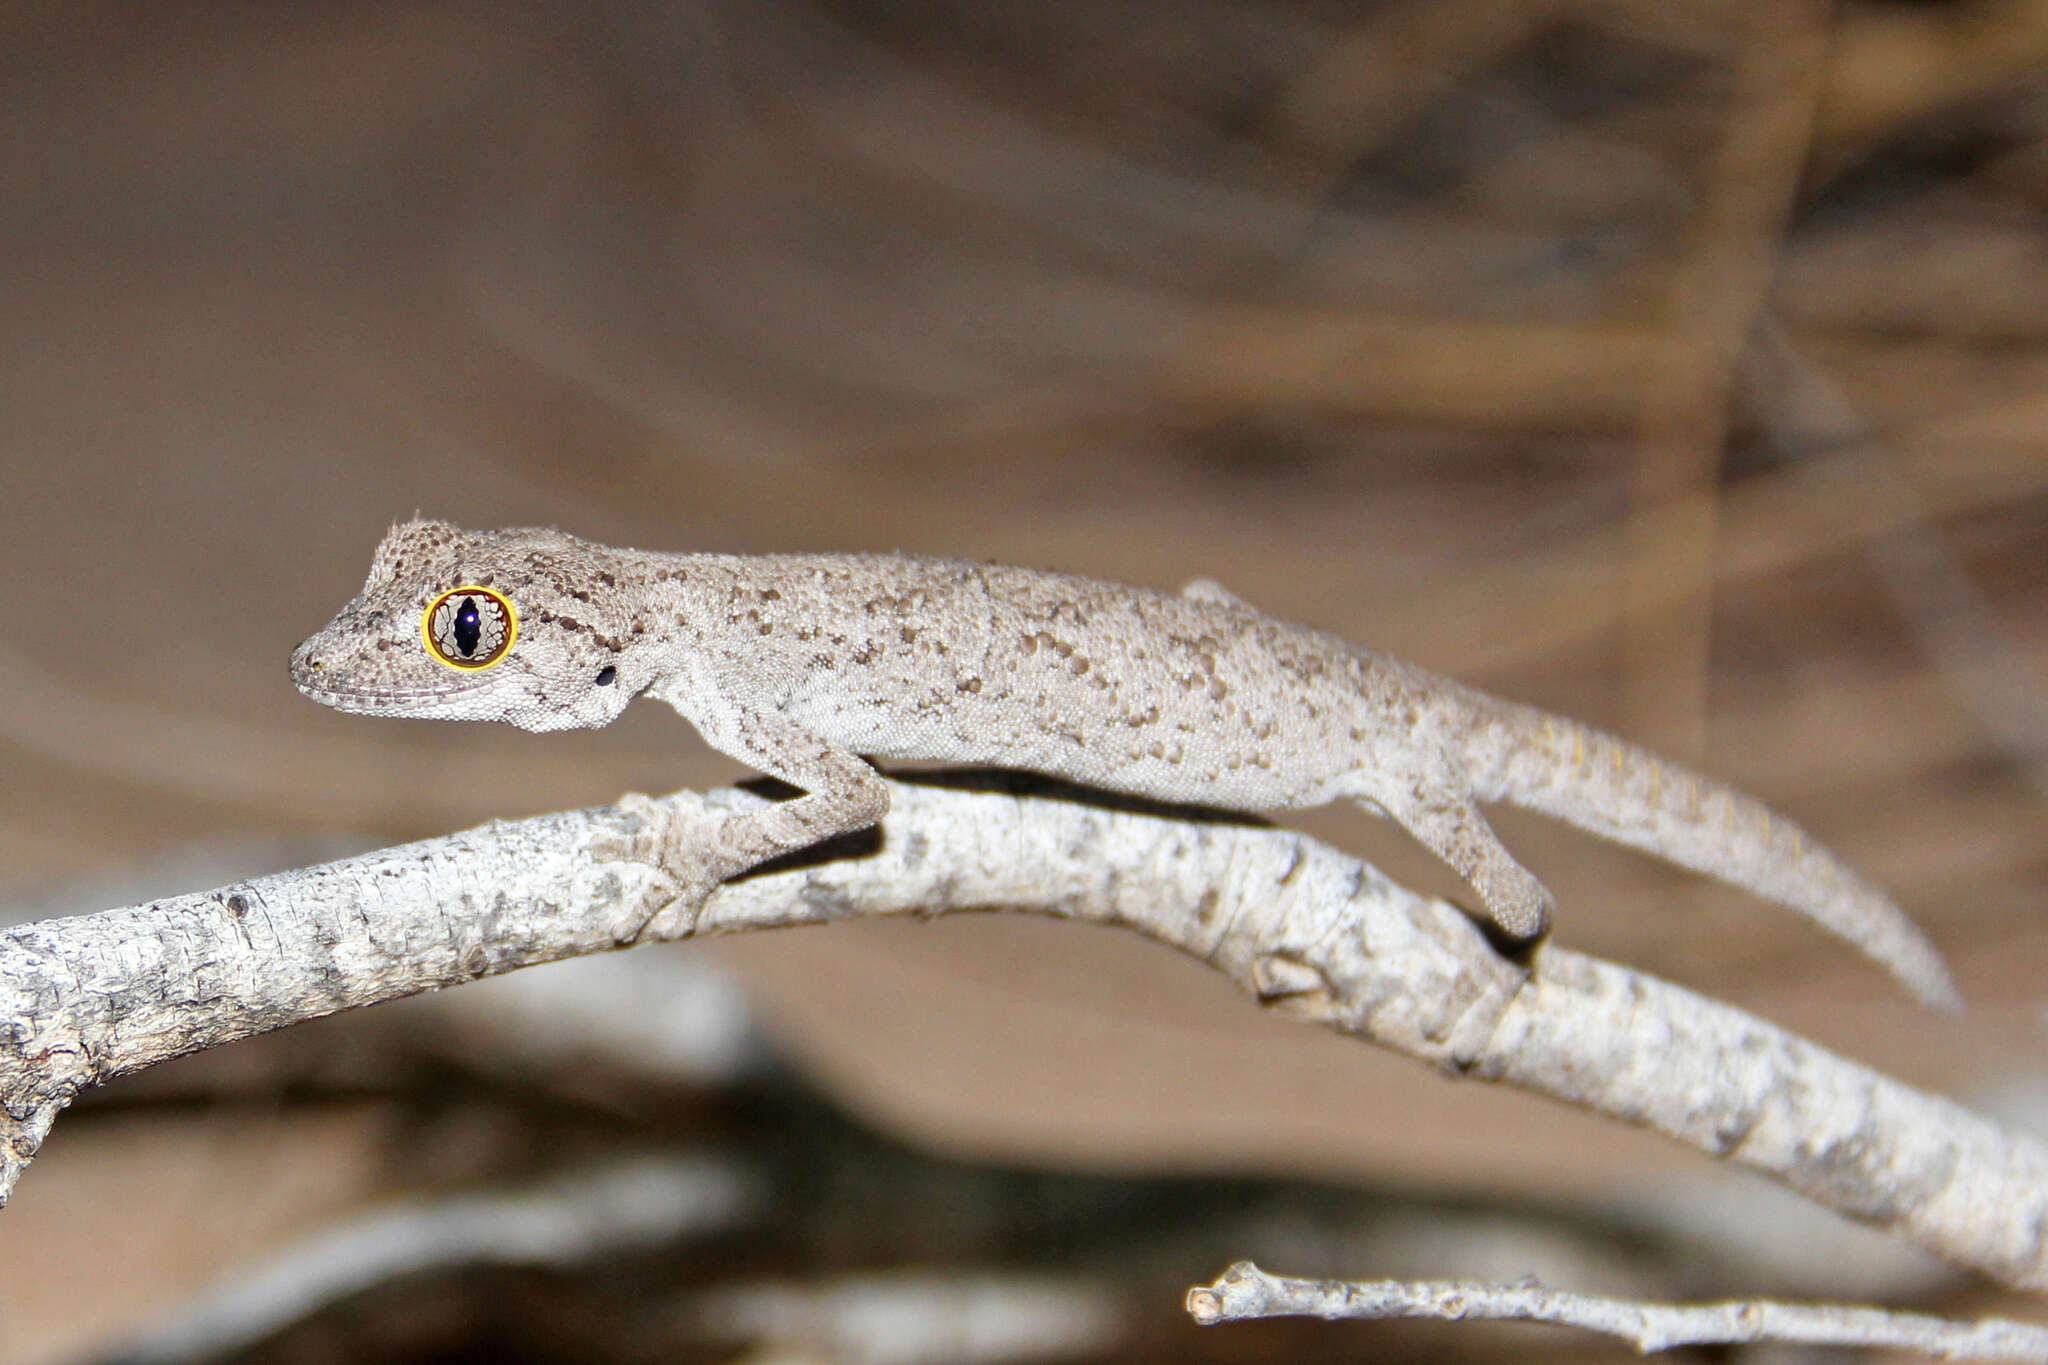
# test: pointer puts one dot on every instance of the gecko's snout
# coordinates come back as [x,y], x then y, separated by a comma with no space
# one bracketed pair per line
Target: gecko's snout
[306,665]
[320,666]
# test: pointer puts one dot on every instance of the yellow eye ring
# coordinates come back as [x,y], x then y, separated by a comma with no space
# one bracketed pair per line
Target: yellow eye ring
[469,628]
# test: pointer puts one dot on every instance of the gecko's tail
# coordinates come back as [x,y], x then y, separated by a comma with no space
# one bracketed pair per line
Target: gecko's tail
[1614,789]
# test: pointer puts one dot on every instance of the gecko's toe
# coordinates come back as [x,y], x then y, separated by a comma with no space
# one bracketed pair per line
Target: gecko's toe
[664,838]
[1519,904]
[641,844]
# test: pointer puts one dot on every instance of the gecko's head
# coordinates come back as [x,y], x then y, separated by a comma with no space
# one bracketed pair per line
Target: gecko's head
[528,626]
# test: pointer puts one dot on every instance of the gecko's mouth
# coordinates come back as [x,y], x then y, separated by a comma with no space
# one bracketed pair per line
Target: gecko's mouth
[336,692]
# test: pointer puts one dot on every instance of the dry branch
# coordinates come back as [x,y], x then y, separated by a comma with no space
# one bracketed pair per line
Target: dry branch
[1304,928]
[1244,1292]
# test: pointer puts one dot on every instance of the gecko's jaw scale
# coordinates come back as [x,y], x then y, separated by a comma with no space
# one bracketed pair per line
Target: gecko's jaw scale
[366,700]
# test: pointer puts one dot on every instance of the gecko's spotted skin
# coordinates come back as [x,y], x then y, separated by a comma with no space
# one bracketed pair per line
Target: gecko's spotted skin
[799,664]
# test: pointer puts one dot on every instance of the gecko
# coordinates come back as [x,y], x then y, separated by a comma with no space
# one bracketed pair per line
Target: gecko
[805,667]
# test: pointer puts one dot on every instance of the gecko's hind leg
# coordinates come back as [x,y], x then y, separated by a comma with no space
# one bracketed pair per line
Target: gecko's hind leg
[1452,827]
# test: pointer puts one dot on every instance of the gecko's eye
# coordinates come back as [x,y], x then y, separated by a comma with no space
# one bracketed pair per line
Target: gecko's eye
[470,628]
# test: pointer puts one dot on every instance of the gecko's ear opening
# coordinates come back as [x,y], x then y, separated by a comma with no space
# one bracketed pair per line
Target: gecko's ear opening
[607,675]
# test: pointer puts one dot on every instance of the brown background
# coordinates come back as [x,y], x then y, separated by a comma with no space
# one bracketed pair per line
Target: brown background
[1433,322]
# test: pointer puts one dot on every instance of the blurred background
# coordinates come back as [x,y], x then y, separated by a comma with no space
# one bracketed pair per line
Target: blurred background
[1681,367]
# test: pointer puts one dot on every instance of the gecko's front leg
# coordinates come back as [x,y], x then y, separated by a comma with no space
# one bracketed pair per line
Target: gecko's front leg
[842,793]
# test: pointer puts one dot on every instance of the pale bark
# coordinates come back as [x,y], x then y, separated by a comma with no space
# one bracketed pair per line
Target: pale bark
[1245,1292]
[1302,927]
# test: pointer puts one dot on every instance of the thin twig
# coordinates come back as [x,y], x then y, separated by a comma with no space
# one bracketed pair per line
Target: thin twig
[576,1217]
[1245,1292]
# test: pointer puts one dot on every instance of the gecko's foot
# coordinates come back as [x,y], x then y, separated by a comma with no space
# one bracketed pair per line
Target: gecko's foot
[1520,906]
[671,840]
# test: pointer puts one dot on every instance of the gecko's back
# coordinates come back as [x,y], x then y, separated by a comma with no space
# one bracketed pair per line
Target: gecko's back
[1159,695]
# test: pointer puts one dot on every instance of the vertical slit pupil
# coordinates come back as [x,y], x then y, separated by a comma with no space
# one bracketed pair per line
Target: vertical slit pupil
[469,627]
